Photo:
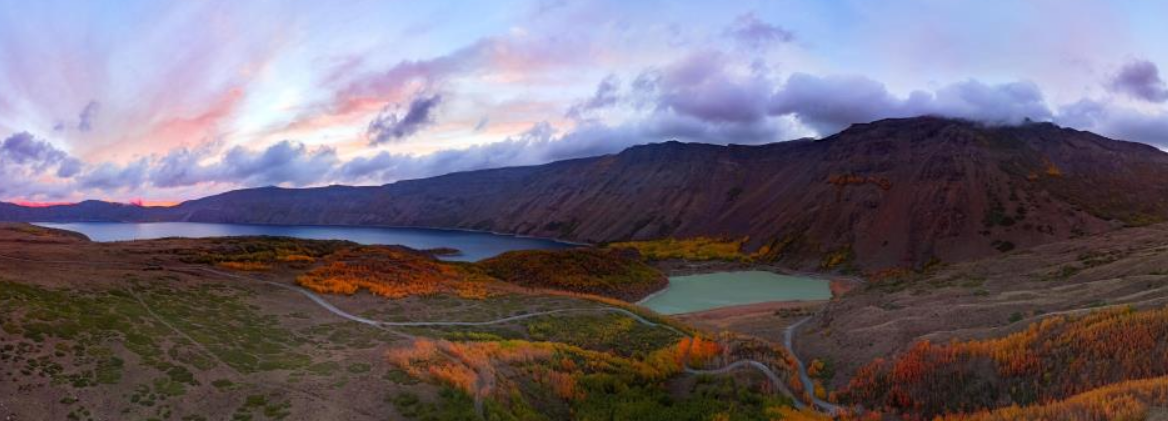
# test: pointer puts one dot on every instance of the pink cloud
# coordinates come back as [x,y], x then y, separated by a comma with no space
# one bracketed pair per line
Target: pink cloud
[207,123]
[509,59]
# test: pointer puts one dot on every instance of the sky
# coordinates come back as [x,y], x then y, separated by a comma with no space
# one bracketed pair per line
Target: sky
[152,102]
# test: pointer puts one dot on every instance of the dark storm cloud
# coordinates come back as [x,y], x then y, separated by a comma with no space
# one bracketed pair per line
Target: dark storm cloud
[392,125]
[1140,79]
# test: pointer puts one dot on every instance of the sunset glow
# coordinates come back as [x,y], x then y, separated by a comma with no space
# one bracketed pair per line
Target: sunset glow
[181,100]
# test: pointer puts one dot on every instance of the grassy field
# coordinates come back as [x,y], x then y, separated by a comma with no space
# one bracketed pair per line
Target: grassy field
[142,330]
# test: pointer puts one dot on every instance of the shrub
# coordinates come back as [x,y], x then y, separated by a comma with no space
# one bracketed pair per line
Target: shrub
[1053,359]
[697,248]
[592,271]
[390,272]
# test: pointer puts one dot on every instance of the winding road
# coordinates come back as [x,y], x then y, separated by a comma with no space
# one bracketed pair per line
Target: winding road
[766,370]
[320,301]
[789,342]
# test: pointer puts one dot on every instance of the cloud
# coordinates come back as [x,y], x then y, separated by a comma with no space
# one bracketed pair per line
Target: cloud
[1006,103]
[750,31]
[111,177]
[283,163]
[830,103]
[607,95]
[703,86]
[482,124]
[182,167]
[85,119]
[392,126]
[37,156]
[508,59]
[523,149]
[24,149]
[1115,121]
[1140,79]
[286,162]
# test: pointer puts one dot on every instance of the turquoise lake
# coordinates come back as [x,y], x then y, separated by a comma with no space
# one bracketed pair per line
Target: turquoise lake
[473,245]
[687,294]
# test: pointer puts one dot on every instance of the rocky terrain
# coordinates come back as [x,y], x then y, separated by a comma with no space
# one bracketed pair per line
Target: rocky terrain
[893,193]
[990,298]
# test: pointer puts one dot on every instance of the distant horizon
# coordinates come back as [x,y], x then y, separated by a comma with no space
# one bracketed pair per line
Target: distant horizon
[166,204]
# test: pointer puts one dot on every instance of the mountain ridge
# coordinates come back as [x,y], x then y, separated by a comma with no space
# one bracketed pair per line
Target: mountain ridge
[891,193]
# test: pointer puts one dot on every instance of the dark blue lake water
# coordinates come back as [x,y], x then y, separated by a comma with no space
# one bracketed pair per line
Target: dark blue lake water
[474,245]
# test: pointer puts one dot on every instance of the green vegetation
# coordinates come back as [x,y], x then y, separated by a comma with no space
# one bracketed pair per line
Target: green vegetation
[607,332]
[261,250]
[695,249]
[557,381]
[269,407]
[78,339]
[169,344]
[601,272]
[451,405]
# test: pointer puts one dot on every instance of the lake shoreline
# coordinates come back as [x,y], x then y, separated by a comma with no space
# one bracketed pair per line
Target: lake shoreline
[419,227]
[677,267]
[709,291]
[472,245]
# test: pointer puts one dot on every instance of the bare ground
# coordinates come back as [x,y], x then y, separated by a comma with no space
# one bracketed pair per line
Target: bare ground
[990,297]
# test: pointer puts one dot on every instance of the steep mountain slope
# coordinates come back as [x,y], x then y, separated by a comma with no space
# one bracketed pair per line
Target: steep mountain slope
[891,193]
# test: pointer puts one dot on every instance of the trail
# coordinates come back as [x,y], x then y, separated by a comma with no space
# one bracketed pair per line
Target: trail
[766,370]
[788,341]
[482,381]
[487,381]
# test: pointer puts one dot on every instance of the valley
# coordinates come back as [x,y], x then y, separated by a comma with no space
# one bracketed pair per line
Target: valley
[144,329]
[920,268]
[892,193]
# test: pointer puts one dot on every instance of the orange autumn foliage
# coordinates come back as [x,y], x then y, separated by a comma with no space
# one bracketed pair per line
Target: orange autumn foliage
[390,272]
[458,364]
[1053,359]
[787,413]
[245,266]
[695,351]
[556,366]
[563,384]
[1130,400]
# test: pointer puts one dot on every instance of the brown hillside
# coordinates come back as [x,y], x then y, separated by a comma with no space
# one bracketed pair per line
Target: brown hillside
[892,193]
